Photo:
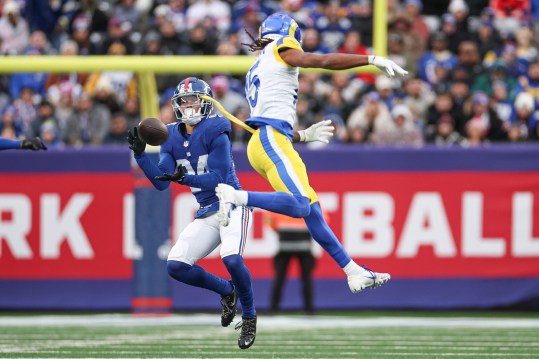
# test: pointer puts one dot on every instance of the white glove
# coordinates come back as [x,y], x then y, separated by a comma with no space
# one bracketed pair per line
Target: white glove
[317,132]
[387,66]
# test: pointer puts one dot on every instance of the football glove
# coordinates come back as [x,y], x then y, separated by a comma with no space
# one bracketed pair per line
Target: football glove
[176,177]
[317,132]
[34,144]
[387,66]
[136,144]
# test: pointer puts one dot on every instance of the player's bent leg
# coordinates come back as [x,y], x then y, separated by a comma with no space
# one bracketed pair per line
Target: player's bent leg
[198,277]
[279,202]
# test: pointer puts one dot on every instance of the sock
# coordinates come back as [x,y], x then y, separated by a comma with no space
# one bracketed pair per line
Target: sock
[241,198]
[198,277]
[242,280]
[280,202]
[353,268]
[322,234]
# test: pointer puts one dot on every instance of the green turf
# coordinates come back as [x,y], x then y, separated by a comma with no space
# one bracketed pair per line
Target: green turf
[278,337]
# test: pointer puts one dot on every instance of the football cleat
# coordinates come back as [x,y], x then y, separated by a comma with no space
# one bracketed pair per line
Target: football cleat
[368,279]
[248,332]
[227,202]
[229,304]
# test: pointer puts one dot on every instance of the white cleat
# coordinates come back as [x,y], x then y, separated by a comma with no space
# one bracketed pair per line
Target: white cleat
[227,202]
[368,279]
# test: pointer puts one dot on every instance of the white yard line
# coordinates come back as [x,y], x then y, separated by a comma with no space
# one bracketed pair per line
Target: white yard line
[265,321]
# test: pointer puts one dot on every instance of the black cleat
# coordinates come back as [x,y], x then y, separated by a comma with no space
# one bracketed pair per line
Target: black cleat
[229,304]
[248,332]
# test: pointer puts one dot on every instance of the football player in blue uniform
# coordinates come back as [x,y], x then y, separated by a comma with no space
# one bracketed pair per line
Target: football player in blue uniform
[34,144]
[199,147]
[272,90]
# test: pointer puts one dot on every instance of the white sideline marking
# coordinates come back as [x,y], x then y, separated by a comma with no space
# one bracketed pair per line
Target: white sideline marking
[263,321]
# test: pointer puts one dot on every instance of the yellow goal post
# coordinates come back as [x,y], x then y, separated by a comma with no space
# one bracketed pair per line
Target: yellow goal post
[146,67]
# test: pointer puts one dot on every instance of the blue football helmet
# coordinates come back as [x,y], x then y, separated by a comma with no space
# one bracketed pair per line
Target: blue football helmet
[279,24]
[187,104]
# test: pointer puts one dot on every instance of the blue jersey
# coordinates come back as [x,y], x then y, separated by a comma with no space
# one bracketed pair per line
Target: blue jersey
[205,155]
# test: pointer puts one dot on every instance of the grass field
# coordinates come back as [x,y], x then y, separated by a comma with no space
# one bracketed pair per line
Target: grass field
[347,335]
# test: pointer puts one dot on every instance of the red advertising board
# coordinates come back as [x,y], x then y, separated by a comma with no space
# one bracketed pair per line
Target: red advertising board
[60,226]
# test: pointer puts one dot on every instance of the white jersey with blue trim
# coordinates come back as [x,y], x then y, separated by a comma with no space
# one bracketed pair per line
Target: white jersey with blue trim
[272,85]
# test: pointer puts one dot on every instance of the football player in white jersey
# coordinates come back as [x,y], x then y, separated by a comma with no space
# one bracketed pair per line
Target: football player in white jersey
[272,90]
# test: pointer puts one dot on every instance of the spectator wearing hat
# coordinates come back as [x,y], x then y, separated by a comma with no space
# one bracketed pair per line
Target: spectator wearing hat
[496,72]
[439,55]
[118,32]
[449,27]
[14,31]
[385,88]
[402,131]
[501,103]
[45,113]
[372,115]
[11,126]
[459,9]
[459,90]
[50,135]
[484,117]
[418,97]
[443,104]
[524,119]
[445,135]
[486,37]
[396,53]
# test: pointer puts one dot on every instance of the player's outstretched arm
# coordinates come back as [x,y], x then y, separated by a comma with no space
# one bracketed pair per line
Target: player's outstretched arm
[335,61]
[320,131]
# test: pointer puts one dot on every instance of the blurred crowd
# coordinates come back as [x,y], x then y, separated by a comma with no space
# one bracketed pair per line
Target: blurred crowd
[474,67]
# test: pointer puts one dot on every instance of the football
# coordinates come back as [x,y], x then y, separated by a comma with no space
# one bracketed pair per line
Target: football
[153,131]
